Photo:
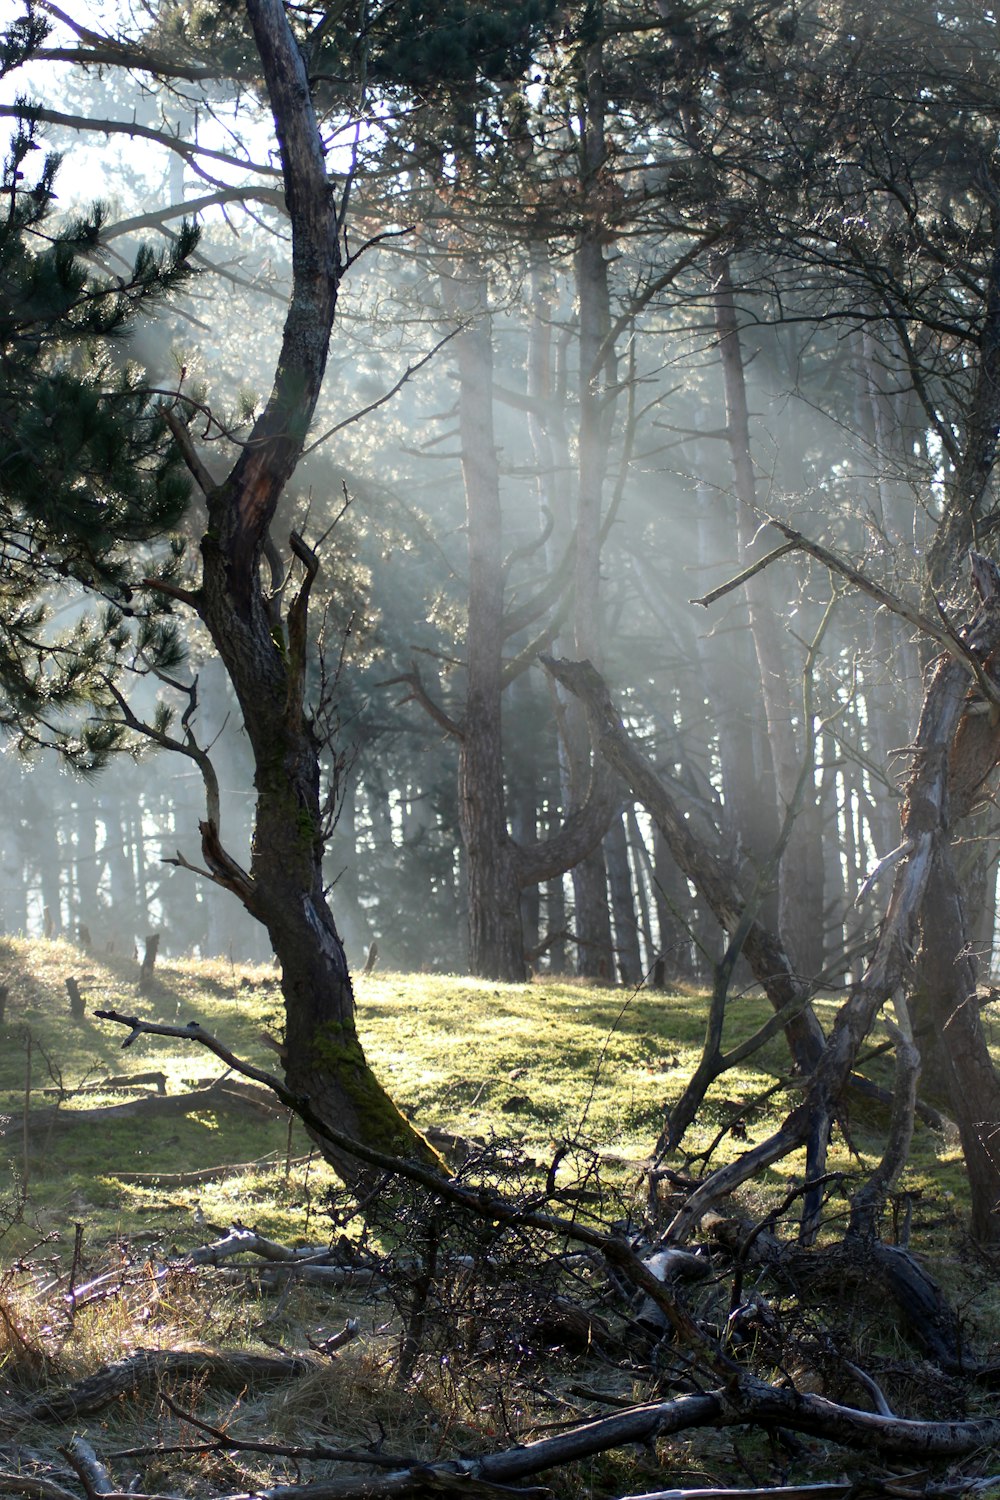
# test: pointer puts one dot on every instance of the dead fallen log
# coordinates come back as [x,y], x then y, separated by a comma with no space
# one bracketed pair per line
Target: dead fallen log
[773,1492]
[144,1369]
[751,1403]
[116,1084]
[226,1093]
[240,1241]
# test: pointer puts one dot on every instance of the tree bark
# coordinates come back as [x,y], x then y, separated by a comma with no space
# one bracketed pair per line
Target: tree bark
[266,656]
[628,958]
[591,914]
[795,871]
[947,969]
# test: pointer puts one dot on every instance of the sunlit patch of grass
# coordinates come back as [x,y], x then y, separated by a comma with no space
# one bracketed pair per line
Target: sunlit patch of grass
[539,1063]
[542,1063]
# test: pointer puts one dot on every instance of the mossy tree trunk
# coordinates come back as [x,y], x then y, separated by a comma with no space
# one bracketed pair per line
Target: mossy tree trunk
[265,652]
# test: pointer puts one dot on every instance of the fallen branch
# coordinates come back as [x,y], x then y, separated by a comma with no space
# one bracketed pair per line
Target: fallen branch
[270,1162]
[116,1084]
[241,1241]
[480,1203]
[223,1093]
[144,1369]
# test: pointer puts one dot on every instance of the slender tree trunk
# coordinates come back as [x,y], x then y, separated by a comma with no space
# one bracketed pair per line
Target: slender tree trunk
[629,961]
[591,915]
[641,860]
[780,707]
[496,943]
[498,867]
[728,668]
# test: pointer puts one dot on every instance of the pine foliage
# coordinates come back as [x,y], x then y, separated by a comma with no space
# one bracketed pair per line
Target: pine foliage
[90,479]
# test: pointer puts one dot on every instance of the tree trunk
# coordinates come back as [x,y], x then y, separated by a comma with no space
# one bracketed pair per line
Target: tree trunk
[704,867]
[266,656]
[627,954]
[496,943]
[779,706]
[947,970]
[591,914]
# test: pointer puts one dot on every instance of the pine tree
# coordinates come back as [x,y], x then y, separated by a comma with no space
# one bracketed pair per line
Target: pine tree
[90,479]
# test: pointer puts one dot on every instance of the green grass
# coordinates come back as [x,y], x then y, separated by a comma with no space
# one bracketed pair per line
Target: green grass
[539,1063]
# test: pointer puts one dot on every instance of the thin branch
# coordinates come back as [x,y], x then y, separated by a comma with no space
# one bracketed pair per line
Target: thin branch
[188,746]
[407,374]
[182,437]
[481,1202]
[133,129]
[745,576]
[419,694]
[156,218]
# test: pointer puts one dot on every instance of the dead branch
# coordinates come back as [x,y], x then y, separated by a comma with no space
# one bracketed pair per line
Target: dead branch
[144,1369]
[419,694]
[34,1486]
[93,1474]
[925,826]
[212,1174]
[120,1081]
[241,1241]
[939,630]
[221,1094]
[226,1442]
[744,576]
[480,1203]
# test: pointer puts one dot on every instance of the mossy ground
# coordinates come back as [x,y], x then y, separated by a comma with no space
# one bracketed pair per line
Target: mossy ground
[540,1063]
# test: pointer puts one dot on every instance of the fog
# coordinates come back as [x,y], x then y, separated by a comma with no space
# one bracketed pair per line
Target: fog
[789,682]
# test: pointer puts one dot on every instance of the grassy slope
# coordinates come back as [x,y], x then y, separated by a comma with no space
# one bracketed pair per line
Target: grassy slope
[538,1062]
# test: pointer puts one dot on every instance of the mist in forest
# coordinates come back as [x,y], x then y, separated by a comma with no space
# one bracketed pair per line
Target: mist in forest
[509,397]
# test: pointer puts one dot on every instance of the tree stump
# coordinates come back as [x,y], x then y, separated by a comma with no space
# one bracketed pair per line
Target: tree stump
[149,961]
[77,1004]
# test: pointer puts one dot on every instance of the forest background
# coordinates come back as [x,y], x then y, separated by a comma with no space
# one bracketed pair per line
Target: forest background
[622,244]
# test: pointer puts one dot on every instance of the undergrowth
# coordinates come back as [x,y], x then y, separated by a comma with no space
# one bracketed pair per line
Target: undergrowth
[549,1091]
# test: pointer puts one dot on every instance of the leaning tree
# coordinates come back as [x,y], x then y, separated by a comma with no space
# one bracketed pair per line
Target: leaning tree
[238,596]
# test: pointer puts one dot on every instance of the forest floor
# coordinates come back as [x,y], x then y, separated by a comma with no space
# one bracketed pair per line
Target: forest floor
[114,1186]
